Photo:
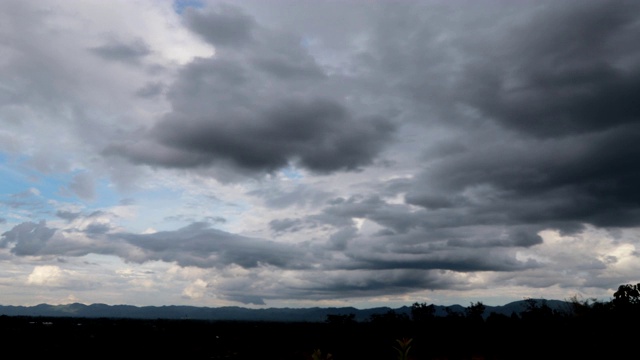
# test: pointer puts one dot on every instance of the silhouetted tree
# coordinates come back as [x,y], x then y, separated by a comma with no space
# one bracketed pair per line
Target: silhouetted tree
[535,311]
[390,317]
[421,312]
[589,308]
[475,312]
[627,295]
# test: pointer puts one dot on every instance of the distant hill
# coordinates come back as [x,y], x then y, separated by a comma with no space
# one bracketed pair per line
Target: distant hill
[233,313]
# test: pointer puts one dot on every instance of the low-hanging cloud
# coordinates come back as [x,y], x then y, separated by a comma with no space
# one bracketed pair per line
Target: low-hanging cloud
[194,245]
[199,245]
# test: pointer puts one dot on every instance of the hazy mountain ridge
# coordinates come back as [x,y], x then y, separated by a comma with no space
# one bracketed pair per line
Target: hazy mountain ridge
[234,313]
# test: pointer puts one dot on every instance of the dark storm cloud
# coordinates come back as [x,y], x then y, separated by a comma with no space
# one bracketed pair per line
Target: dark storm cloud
[225,25]
[571,69]
[396,217]
[560,183]
[194,245]
[361,283]
[436,255]
[406,237]
[319,135]
[256,109]
[39,239]
[547,138]
[28,238]
[127,52]
[199,245]
[436,246]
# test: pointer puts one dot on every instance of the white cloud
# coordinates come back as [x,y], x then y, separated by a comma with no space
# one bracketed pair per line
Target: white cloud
[46,275]
[195,290]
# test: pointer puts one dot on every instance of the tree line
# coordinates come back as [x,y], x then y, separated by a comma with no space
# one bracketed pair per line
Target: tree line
[584,328]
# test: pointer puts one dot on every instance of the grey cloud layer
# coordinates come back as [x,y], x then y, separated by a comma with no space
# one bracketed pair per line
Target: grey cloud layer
[539,115]
[570,69]
[561,87]
[202,246]
[319,135]
[370,267]
[194,245]
[224,26]
[480,127]
[258,105]
[125,52]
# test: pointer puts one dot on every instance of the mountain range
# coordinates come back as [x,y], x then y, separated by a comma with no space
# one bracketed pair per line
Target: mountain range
[233,313]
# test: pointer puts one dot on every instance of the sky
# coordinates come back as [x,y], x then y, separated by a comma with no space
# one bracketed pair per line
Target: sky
[282,153]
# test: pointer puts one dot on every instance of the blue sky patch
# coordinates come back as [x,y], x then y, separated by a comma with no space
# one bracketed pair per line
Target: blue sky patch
[180,6]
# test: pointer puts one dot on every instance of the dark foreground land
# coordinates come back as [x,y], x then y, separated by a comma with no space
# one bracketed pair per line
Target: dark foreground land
[545,335]
[586,330]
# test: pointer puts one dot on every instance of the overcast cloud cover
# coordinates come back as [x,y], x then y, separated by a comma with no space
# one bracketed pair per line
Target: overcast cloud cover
[318,153]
